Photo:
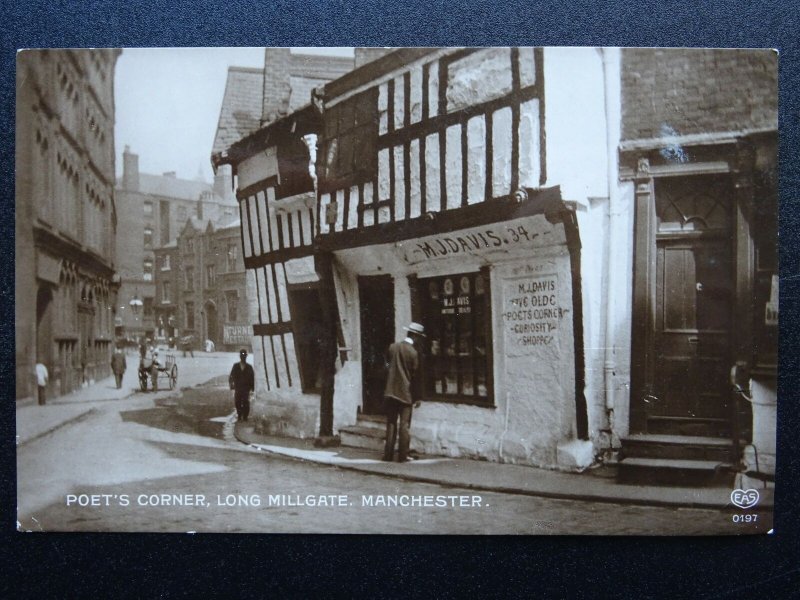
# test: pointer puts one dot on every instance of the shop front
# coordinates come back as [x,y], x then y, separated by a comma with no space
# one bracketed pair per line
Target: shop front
[498,303]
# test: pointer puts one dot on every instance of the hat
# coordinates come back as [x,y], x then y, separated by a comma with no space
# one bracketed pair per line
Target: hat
[242,352]
[415,328]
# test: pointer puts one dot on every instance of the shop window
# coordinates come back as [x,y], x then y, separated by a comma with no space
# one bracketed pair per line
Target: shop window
[455,311]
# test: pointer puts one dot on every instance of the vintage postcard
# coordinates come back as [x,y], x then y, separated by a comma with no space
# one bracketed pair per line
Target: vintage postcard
[499,290]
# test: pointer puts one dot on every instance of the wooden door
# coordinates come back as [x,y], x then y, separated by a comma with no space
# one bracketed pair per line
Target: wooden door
[693,306]
[376,295]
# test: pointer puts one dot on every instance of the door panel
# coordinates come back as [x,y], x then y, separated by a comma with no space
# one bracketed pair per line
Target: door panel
[692,338]
[376,295]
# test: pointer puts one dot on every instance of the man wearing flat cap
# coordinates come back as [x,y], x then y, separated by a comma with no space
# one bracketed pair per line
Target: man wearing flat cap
[402,390]
[242,381]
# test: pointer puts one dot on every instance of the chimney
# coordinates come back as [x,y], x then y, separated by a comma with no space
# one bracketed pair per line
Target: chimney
[130,170]
[277,89]
[223,183]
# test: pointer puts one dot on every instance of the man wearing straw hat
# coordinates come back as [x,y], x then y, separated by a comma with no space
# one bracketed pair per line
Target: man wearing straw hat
[402,390]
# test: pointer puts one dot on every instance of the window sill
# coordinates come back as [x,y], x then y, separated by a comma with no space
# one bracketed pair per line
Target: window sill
[468,400]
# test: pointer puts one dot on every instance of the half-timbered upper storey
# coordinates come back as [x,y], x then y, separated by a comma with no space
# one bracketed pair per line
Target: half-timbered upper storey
[429,130]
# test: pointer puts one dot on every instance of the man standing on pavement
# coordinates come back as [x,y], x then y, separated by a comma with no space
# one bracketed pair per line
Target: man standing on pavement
[242,381]
[402,390]
[41,381]
[118,365]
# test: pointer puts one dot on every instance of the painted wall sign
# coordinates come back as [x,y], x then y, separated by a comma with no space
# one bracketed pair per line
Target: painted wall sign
[532,314]
[236,334]
[519,234]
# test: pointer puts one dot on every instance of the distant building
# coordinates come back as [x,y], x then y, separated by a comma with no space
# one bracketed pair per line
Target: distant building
[202,287]
[65,219]
[154,209]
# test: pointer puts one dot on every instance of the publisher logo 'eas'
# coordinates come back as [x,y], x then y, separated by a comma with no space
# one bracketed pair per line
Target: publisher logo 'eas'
[744,498]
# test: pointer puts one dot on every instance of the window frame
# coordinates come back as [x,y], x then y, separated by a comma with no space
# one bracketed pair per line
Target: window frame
[422,307]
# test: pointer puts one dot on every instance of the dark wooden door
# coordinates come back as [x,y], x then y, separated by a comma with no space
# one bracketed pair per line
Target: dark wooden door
[376,295]
[693,314]
[694,303]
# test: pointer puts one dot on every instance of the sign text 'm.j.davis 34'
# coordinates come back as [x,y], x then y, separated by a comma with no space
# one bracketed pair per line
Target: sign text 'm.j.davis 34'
[519,234]
[532,314]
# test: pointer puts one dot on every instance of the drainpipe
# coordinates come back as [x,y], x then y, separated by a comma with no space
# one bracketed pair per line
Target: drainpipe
[613,104]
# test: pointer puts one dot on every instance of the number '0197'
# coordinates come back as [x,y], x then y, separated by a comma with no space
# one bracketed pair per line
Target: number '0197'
[745,518]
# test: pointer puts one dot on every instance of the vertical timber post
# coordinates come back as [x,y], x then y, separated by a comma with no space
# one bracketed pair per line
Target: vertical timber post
[323,263]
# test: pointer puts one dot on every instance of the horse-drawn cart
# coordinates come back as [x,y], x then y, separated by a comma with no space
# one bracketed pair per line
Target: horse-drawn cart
[153,369]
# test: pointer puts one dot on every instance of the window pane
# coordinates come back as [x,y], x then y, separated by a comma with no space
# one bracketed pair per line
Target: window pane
[454,314]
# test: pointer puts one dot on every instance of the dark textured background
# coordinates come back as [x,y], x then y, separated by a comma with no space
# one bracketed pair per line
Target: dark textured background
[173,566]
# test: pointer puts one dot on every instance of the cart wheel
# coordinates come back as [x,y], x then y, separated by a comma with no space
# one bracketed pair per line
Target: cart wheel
[173,377]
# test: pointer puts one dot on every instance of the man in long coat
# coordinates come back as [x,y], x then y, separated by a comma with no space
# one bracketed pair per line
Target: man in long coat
[402,390]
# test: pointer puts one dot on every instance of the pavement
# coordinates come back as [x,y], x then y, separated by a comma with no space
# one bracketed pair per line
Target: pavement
[34,421]
[599,485]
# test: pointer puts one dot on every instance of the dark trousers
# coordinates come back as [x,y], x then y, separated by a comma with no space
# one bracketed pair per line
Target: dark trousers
[42,395]
[242,401]
[396,410]
[118,379]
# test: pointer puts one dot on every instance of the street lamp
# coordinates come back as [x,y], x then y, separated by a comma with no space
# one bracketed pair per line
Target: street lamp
[136,304]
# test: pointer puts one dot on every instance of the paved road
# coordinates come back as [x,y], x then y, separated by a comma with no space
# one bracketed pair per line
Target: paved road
[133,461]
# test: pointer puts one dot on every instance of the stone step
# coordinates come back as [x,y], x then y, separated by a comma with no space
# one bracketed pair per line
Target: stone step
[672,471]
[372,421]
[689,426]
[649,445]
[358,436]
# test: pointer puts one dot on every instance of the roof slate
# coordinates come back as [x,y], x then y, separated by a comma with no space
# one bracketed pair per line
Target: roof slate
[172,187]
[241,107]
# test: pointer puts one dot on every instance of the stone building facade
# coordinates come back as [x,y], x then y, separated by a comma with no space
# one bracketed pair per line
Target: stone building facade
[155,208]
[65,218]
[206,286]
[546,214]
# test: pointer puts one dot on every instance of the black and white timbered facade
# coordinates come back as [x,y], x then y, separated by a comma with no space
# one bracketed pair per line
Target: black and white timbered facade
[488,194]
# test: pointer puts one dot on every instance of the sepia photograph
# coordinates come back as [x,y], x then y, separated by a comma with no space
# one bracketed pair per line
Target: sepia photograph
[445,290]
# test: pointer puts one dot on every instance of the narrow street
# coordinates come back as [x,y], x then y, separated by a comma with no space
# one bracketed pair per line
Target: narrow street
[170,463]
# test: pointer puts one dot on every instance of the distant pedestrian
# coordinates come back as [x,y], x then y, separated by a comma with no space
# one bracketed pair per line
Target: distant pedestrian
[118,365]
[42,377]
[402,390]
[154,370]
[187,344]
[242,381]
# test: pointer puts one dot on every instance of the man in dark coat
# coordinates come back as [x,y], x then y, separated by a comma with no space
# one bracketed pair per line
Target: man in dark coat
[242,381]
[118,365]
[402,390]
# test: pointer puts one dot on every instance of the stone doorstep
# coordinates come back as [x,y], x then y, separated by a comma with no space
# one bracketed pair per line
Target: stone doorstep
[357,436]
[677,447]
[674,471]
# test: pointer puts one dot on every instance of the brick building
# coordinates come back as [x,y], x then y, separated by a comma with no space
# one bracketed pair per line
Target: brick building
[206,285]
[65,218]
[578,230]
[154,209]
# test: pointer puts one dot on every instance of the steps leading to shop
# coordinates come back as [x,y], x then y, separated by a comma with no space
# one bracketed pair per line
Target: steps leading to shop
[660,459]
[369,432]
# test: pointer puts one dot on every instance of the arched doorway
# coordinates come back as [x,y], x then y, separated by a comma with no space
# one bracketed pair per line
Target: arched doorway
[212,322]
